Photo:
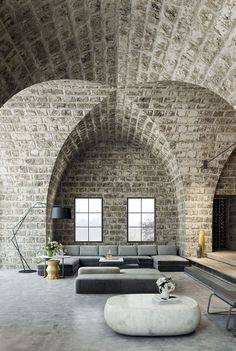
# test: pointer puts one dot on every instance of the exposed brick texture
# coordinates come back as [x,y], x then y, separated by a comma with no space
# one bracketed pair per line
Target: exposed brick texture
[34,126]
[156,75]
[227,181]
[118,42]
[116,172]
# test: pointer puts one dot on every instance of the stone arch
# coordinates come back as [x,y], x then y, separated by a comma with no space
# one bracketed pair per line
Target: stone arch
[99,126]
[198,126]
[226,191]
[34,125]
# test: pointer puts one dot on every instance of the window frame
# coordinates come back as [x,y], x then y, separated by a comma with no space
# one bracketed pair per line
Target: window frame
[88,241]
[141,198]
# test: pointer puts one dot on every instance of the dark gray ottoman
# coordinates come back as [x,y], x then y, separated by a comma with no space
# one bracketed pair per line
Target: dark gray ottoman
[123,283]
[169,263]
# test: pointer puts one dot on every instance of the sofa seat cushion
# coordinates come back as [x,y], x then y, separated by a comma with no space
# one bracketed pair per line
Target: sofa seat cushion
[169,259]
[169,263]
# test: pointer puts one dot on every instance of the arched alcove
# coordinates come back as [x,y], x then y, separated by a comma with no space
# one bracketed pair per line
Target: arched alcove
[224,210]
[45,126]
[144,145]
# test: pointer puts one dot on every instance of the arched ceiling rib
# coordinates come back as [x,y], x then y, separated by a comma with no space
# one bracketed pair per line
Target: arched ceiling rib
[120,43]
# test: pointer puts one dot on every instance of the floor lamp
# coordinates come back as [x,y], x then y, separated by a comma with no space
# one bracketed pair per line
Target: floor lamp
[58,212]
[205,163]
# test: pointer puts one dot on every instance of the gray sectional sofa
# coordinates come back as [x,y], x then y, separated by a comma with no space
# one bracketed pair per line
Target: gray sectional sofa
[161,257]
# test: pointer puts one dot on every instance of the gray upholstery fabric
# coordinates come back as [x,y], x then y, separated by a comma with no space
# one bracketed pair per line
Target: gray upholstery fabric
[72,250]
[89,261]
[99,270]
[117,283]
[144,250]
[127,250]
[90,250]
[104,249]
[169,258]
[167,250]
[169,263]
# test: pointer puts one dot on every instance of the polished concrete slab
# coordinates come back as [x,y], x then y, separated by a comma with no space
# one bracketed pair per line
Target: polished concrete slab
[37,315]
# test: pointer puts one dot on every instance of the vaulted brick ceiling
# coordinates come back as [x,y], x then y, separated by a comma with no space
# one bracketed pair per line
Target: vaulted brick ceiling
[119,43]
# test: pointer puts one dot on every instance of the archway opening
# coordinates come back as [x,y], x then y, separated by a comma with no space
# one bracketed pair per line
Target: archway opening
[224,208]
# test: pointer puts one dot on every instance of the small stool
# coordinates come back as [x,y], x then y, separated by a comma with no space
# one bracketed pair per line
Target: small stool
[53,269]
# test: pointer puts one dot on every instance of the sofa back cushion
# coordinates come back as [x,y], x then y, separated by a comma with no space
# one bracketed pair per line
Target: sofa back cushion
[71,250]
[127,250]
[104,249]
[88,250]
[167,249]
[147,250]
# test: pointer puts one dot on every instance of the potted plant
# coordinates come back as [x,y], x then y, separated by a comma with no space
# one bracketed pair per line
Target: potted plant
[53,247]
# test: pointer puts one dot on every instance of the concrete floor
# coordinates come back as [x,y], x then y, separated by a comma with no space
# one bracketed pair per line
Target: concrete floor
[37,314]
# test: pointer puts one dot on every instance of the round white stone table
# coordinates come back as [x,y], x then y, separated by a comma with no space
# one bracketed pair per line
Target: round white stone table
[147,315]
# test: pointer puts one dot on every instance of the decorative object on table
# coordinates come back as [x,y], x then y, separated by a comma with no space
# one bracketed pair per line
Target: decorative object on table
[63,214]
[201,240]
[199,251]
[109,255]
[53,269]
[166,286]
[53,247]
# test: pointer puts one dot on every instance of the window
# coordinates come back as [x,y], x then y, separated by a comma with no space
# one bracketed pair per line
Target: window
[88,219]
[141,219]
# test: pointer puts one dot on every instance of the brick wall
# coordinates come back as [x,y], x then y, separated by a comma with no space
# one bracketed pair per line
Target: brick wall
[34,125]
[43,127]
[115,172]
[227,181]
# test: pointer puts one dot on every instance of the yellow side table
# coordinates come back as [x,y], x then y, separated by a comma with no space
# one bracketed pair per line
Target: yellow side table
[53,269]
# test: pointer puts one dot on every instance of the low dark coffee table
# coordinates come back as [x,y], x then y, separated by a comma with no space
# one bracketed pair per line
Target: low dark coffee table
[114,261]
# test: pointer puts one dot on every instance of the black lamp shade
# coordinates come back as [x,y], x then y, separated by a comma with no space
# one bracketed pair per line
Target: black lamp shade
[59,212]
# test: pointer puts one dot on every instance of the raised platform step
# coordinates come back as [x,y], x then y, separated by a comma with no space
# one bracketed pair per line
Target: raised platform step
[225,256]
[209,279]
[219,269]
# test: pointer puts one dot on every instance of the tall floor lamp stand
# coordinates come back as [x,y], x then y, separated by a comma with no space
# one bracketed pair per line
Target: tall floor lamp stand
[15,229]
